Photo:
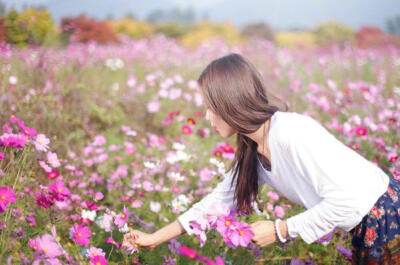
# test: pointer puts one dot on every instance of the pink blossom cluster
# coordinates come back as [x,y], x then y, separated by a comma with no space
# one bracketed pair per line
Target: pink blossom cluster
[56,191]
[224,150]
[234,232]
[192,254]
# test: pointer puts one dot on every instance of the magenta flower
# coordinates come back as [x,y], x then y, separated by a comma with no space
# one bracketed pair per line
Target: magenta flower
[188,252]
[34,245]
[52,174]
[44,200]
[80,234]
[110,240]
[186,130]
[1,156]
[7,196]
[99,260]
[27,131]
[121,219]
[13,140]
[58,190]
[242,235]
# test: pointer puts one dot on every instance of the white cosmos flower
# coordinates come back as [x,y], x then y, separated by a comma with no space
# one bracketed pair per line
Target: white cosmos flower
[91,215]
[155,206]
[178,146]
[148,164]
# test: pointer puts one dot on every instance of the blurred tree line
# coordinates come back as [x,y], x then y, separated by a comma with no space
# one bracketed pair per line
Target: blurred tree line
[35,26]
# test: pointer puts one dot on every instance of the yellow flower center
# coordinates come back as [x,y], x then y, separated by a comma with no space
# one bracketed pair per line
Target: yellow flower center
[227,223]
[94,254]
[241,233]
[46,250]
[40,142]
[3,197]
[79,234]
[178,206]
[59,190]
[123,216]
[98,263]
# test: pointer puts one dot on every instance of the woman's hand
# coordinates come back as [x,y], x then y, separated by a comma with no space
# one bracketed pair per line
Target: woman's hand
[141,239]
[264,233]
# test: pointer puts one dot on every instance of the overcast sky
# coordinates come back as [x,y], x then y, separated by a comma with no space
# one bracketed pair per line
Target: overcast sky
[280,14]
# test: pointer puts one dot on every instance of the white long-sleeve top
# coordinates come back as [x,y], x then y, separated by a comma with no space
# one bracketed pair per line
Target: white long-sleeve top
[310,167]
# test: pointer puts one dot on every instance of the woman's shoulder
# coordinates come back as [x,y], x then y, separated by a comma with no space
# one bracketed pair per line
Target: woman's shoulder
[287,126]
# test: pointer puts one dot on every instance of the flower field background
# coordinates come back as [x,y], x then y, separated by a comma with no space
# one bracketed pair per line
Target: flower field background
[96,140]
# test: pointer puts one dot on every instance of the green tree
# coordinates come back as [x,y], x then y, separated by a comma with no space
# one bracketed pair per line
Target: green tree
[333,32]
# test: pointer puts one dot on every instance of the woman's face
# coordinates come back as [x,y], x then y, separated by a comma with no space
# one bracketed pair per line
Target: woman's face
[219,124]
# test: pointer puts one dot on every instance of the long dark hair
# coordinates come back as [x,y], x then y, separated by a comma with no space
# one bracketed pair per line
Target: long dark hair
[234,89]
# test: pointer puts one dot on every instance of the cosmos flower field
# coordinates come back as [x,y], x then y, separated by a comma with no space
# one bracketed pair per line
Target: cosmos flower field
[98,140]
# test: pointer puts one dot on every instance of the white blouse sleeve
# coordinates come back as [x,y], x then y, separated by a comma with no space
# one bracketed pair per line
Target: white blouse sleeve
[330,167]
[222,192]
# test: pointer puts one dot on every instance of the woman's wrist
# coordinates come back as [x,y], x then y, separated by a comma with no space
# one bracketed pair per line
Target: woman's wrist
[284,229]
[281,232]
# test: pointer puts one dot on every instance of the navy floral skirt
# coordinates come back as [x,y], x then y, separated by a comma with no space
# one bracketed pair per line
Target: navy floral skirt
[376,239]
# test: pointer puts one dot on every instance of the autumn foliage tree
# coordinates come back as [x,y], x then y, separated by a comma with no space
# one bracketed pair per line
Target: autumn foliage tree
[84,29]
[2,30]
[369,36]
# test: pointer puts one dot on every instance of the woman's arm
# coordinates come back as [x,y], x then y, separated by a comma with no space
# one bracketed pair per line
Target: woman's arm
[162,235]
[223,192]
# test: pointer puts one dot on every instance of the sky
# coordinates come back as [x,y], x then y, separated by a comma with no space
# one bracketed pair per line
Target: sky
[280,14]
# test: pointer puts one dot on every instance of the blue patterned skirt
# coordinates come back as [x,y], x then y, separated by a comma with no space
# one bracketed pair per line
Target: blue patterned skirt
[376,239]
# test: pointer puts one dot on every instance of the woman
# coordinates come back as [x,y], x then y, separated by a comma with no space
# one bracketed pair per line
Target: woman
[298,157]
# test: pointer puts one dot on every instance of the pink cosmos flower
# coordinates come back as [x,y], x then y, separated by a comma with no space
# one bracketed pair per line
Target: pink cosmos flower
[206,174]
[99,196]
[34,245]
[242,235]
[53,159]
[198,232]
[46,167]
[153,106]
[225,224]
[93,252]
[273,196]
[279,211]
[58,191]
[99,260]
[186,130]
[110,240]
[50,248]
[361,131]
[80,234]
[53,174]
[7,196]
[28,131]
[13,140]
[216,210]
[121,219]
[41,142]
[99,140]
[44,200]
